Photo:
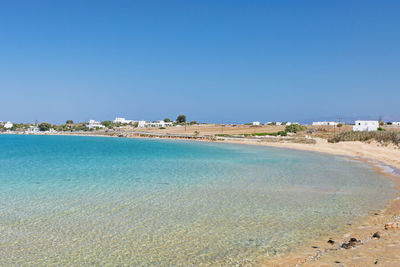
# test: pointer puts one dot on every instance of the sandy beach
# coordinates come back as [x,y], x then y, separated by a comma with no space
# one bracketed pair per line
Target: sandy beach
[383,251]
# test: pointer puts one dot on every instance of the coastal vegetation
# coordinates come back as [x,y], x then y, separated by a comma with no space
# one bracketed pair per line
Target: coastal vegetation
[19,126]
[384,137]
[44,126]
[107,124]
[181,119]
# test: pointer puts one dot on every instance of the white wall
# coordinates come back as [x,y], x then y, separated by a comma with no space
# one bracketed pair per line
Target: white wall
[368,126]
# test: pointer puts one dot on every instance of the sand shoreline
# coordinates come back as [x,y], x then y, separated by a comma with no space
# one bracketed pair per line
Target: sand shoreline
[384,251]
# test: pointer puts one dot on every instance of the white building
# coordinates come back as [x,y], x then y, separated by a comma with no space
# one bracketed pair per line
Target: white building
[397,123]
[122,120]
[144,124]
[33,129]
[368,126]
[325,123]
[94,124]
[164,124]
[8,125]
[141,124]
[256,123]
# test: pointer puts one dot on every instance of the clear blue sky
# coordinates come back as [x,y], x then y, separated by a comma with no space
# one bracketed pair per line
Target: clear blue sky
[231,61]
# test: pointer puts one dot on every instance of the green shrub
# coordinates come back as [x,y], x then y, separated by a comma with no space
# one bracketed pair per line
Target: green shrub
[294,128]
[44,126]
[282,133]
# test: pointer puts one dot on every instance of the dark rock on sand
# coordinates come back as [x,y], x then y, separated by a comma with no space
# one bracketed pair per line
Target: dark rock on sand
[377,235]
[330,241]
[351,243]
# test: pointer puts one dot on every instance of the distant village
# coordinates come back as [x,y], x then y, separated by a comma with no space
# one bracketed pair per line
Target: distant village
[119,122]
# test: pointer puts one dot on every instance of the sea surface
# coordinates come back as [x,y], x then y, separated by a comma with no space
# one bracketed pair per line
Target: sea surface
[68,200]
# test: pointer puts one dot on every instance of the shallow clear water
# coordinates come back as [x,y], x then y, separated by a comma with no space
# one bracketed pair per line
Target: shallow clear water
[98,201]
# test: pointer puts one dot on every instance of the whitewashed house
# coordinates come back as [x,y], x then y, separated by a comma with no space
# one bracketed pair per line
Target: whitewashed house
[94,124]
[33,129]
[123,121]
[368,126]
[8,125]
[396,123]
[256,123]
[144,124]
[324,123]
[164,124]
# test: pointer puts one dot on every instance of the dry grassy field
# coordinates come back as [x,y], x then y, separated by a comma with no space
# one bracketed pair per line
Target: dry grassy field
[214,129]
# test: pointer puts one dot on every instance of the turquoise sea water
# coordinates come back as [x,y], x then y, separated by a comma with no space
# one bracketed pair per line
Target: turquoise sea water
[112,201]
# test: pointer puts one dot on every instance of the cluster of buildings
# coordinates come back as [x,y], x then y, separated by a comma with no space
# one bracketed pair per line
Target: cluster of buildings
[325,123]
[144,124]
[257,123]
[359,125]
[140,124]
[159,124]
[95,125]
[123,121]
